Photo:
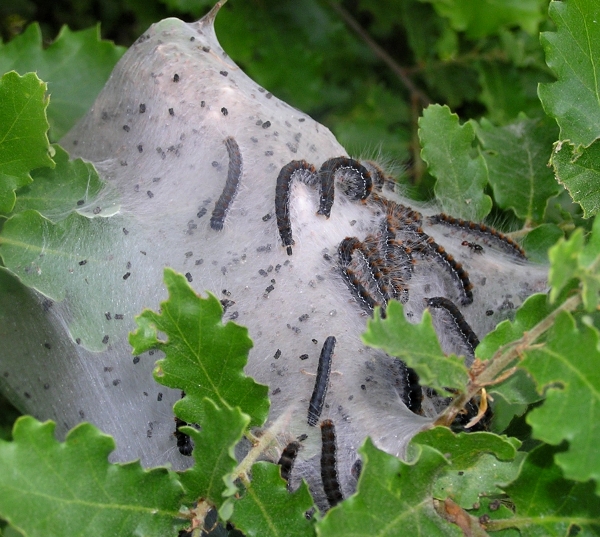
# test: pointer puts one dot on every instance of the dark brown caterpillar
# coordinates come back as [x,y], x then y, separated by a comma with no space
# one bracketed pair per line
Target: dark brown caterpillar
[306,173]
[400,215]
[287,459]
[231,185]
[460,276]
[500,239]
[358,188]
[317,399]
[361,293]
[463,329]
[329,477]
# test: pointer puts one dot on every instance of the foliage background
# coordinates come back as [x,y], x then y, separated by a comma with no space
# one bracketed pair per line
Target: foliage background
[307,53]
[367,69]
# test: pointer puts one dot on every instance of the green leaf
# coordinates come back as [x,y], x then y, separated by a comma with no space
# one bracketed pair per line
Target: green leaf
[579,172]
[53,488]
[426,33]
[502,92]
[571,259]
[203,355]
[9,531]
[573,52]
[461,177]
[539,240]
[189,6]
[267,509]
[71,186]
[478,462]
[393,498]
[516,156]
[417,345]
[262,38]
[479,18]
[222,429]
[23,126]
[76,66]
[566,368]
[547,504]
[512,397]
[564,262]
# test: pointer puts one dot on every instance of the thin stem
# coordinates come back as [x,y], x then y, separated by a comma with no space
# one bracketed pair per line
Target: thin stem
[418,166]
[398,70]
[265,440]
[501,359]
[539,521]
[200,513]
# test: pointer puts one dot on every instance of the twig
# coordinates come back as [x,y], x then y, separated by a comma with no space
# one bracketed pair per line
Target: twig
[381,53]
[267,438]
[502,358]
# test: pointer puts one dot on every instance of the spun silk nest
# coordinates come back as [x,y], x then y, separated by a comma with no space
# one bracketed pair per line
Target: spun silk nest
[210,174]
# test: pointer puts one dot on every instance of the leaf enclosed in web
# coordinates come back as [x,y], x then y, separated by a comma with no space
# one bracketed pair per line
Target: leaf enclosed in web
[221,429]
[478,462]
[70,186]
[532,311]
[416,345]
[516,156]
[87,258]
[76,66]
[489,509]
[513,395]
[479,18]
[393,498]
[268,509]
[203,356]
[579,172]
[23,140]
[53,488]
[461,177]
[547,504]
[573,52]
[566,367]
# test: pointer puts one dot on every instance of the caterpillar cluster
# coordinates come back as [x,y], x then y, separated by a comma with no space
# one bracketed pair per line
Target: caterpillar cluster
[377,269]
[211,174]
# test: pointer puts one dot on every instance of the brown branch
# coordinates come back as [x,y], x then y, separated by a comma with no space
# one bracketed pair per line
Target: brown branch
[398,70]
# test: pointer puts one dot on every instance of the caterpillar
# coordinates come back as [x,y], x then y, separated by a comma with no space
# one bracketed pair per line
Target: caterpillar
[329,476]
[230,189]
[286,461]
[466,332]
[305,172]
[500,239]
[357,182]
[320,390]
